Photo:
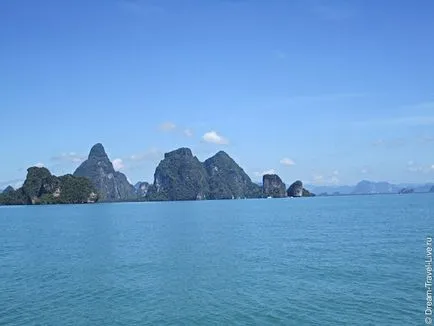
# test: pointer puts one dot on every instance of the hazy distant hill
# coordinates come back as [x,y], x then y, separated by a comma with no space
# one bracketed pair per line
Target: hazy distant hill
[369,187]
[343,190]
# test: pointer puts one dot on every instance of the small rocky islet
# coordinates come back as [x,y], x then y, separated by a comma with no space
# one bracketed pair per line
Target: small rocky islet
[179,176]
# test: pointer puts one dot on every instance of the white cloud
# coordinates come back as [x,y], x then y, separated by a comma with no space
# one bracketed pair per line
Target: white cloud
[390,143]
[39,165]
[364,171]
[15,183]
[260,174]
[287,161]
[215,138]
[188,132]
[335,172]
[167,126]
[18,184]
[318,179]
[118,164]
[71,157]
[418,168]
[151,155]
[334,180]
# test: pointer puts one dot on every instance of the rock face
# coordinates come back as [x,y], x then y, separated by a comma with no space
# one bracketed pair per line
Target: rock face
[179,176]
[406,191]
[110,184]
[227,180]
[41,187]
[273,186]
[40,181]
[142,189]
[307,193]
[296,189]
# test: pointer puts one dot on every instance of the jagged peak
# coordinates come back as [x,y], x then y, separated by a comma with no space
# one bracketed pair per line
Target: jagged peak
[97,150]
[270,176]
[38,169]
[222,153]
[183,151]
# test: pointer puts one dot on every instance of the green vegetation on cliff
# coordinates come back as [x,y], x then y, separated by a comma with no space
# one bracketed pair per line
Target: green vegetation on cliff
[180,176]
[41,187]
[273,186]
[227,180]
[111,185]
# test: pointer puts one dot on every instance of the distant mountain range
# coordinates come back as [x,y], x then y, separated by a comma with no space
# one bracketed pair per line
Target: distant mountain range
[179,176]
[366,187]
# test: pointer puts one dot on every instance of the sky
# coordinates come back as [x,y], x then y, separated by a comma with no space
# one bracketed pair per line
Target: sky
[328,92]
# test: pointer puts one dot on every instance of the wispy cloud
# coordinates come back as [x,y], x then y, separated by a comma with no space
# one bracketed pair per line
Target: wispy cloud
[333,10]
[152,155]
[260,174]
[389,143]
[426,139]
[15,183]
[215,138]
[414,167]
[167,126]
[118,164]
[326,97]
[70,157]
[188,132]
[325,179]
[287,161]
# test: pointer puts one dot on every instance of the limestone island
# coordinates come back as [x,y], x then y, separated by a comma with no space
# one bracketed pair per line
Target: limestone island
[179,176]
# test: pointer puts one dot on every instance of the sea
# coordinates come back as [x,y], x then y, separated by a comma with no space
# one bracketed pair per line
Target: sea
[347,260]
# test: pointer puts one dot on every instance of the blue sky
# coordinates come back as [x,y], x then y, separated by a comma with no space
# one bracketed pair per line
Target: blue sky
[329,92]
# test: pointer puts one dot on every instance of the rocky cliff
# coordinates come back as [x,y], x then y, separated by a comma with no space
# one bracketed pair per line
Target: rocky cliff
[307,193]
[141,189]
[41,187]
[296,189]
[179,176]
[273,186]
[406,191]
[227,180]
[110,184]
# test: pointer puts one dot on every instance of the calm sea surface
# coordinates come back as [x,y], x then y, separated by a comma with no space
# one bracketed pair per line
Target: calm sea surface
[310,261]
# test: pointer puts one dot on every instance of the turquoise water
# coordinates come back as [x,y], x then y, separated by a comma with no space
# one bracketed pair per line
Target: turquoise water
[310,261]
